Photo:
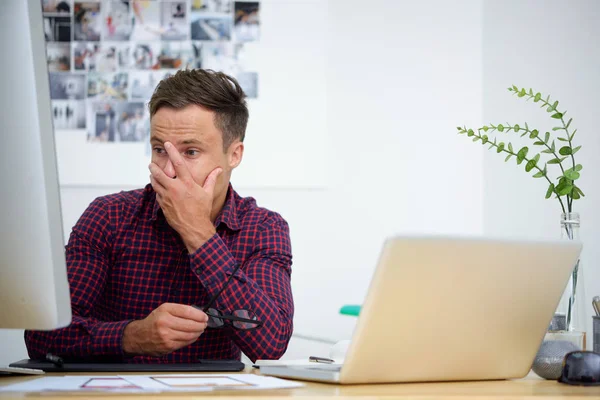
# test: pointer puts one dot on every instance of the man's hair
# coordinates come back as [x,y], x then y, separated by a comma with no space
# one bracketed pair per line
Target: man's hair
[212,90]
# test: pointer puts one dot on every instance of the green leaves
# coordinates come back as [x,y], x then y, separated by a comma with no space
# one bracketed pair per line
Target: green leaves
[541,173]
[522,154]
[550,190]
[572,175]
[577,193]
[549,154]
[565,151]
[564,187]
[556,160]
[534,133]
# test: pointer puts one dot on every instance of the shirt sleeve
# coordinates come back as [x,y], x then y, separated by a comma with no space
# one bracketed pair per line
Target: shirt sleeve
[262,285]
[88,256]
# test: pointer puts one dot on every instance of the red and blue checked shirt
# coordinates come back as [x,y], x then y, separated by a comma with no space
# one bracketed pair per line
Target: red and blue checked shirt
[124,260]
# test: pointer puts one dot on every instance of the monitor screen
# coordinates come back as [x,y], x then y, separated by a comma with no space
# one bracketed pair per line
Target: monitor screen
[34,291]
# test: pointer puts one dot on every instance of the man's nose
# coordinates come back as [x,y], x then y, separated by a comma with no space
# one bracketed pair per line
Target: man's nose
[170,169]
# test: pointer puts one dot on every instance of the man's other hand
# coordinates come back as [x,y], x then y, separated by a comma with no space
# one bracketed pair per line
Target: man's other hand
[167,328]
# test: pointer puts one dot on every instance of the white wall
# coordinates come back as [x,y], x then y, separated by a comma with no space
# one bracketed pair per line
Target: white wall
[551,46]
[401,75]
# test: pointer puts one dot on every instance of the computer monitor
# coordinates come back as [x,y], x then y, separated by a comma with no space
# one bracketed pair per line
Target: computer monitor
[34,291]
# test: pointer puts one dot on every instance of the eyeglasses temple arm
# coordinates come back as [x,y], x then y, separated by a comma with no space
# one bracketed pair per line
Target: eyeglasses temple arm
[234,318]
[216,296]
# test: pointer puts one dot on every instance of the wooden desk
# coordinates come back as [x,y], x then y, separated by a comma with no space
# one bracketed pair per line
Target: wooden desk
[523,388]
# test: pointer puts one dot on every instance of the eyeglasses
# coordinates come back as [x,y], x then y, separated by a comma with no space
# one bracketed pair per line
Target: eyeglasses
[581,368]
[240,319]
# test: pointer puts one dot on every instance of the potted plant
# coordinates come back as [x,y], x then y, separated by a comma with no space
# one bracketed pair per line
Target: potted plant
[551,152]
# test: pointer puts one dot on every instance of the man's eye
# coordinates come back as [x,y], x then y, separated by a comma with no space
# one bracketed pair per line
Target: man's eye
[191,153]
[159,150]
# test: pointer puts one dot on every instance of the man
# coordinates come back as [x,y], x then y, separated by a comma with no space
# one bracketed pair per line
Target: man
[138,261]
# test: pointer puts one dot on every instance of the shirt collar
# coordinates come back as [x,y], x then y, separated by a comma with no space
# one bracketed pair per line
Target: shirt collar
[227,216]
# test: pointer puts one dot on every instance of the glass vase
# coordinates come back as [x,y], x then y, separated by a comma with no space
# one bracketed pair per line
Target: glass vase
[572,304]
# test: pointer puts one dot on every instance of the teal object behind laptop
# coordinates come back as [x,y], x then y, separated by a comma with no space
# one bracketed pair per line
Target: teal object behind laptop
[350,309]
[451,309]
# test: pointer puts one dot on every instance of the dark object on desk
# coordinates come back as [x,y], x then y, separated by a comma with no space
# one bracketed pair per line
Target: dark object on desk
[549,358]
[200,366]
[581,368]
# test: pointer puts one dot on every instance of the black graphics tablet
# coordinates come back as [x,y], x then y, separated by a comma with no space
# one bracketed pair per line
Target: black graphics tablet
[86,366]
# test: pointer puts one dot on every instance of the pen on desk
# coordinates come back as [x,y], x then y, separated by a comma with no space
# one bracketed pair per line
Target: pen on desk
[56,360]
[321,360]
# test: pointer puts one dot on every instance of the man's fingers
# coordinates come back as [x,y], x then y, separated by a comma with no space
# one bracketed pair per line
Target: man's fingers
[158,188]
[211,181]
[159,177]
[185,312]
[186,325]
[178,163]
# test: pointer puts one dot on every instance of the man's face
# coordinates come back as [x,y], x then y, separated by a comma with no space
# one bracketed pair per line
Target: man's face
[193,133]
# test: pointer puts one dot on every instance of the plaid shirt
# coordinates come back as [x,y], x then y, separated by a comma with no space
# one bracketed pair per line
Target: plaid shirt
[124,260]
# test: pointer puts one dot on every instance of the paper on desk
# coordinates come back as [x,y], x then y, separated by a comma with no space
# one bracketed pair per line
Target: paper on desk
[153,383]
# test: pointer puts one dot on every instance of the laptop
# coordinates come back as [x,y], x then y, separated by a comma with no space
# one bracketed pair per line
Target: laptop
[451,309]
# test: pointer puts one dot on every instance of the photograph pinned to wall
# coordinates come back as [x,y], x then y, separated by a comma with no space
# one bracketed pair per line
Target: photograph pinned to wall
[249,83]
[198,54]
[133,122]
[57,28]
[229,58]
[113,56]
[220,57]
[87,21]
[85,55]
[143,83]
[59,56]
[217,6]
[146,20]
[246,21]
[210,26]
[68,114]
[107,86]
[117,121]
[173,20]
[57,6]
[145,55]
[117,20]
[178,55]
[67,86]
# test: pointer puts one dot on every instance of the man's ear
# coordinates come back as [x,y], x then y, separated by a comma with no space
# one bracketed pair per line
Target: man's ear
[236,153]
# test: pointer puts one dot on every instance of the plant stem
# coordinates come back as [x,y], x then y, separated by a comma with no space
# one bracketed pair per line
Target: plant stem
[547,104]
[562,120]
[509,128]
[525,159]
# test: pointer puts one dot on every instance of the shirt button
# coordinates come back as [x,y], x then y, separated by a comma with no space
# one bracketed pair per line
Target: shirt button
[198,270]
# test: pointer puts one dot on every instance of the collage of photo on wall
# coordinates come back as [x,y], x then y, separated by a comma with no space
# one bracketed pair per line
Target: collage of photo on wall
[105,57]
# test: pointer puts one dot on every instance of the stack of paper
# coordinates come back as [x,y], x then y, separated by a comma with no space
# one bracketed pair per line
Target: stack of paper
[151,383]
